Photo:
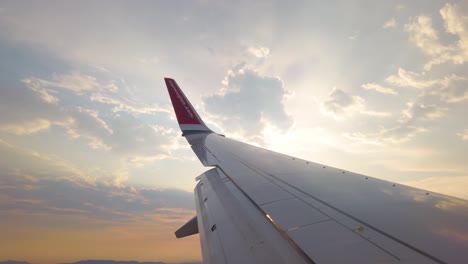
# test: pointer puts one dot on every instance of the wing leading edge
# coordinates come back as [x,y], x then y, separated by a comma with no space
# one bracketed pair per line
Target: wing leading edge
[258,206]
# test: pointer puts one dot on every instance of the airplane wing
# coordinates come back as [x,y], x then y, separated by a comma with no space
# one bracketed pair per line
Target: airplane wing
[259,206]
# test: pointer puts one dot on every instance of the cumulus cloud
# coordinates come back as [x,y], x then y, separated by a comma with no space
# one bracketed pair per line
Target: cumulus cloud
[416,112]
[104,92]
[73,81]
[52,182]
[95,201]
[463,135]
[259,51]
[29,110]
[391,23]
[121,133]
[405,78]
[249,102]
[450,89]
[87,123]
[385,136]
[340,104]
[35,204]
[37,107]
[412,121]
[32,165]
[121,104]
[379,88]
[423,35]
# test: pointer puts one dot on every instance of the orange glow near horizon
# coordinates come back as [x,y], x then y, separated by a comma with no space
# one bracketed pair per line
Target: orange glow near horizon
[47,239]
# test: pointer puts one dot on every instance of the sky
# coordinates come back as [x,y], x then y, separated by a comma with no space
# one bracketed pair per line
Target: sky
[93,165]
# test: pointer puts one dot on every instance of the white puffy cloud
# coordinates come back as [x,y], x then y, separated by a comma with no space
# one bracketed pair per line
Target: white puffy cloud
[28,163]
[450,89]
[340,104]
[379,88]
[249,102]
[26,127]
[259,51]
[35,187]
[457,23]
[413,120]
[87,123]
[73,81]
[29,110]
[391,23]
[416,112]
[123,134]
[37,107]
[463,135]
[384,136]
[122,104]
[423,35]
[405,78]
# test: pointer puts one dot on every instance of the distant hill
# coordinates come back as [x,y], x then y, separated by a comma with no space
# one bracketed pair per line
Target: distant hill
[101,262]
[112,262]
[115,262]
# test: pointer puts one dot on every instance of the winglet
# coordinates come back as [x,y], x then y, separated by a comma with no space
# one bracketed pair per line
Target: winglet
[189,120]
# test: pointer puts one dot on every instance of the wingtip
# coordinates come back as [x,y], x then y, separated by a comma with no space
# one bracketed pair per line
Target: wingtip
[187,117]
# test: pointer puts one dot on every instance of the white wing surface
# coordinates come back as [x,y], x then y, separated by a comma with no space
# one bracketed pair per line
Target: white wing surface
[259,206]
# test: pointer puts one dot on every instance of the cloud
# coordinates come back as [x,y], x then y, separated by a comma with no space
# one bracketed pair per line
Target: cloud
[390,23]
[457,23]
[454,93]
[463,135]
[30,110]
[122,134]
[122,104]
[32,182]
[73,81]
[87,123]
[340,104]
[423,35]
[259,51]
[378,88]
[249,102]
[28,127]
[412,121]
[416,80]
[449,89]
[94,201]
[29,164]
[416,112]
[104,92]
[406,78]
[37,107]
[110,215]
